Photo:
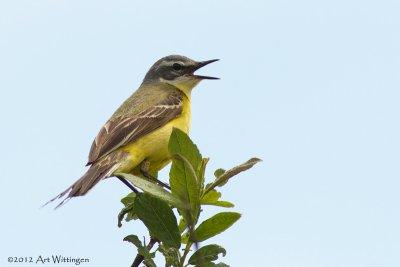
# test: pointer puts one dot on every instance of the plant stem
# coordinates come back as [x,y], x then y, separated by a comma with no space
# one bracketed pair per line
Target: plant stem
[186,252]
[139,258]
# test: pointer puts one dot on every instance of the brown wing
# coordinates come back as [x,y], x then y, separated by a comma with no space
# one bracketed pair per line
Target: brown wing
[122,130]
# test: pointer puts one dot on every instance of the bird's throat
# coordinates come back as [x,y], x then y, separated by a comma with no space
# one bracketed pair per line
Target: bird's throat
[186,86]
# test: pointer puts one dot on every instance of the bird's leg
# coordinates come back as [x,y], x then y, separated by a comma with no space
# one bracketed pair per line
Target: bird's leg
[128,184]
[144,170]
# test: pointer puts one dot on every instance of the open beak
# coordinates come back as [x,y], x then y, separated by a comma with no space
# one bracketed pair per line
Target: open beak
[202,64]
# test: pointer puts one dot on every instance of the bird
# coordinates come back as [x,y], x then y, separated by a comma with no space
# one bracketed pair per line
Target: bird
[135,138]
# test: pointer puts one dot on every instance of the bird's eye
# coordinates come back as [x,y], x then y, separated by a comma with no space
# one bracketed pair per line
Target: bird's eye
[177,66]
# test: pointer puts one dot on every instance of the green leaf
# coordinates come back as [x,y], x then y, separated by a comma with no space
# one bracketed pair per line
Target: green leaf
[171,255]
[130,215]
[134,240]
[129,212]
[219,172]
[180,143]
[153,189]
[202,172]
[158,218]
[128,209]
[212,198]
[184,185]
[215,225]
[128,199]
[182,225]
[206,254]
[142,250]
[222,178]
[185,173]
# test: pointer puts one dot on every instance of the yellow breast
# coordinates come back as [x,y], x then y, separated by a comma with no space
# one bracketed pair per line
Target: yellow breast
[154,146]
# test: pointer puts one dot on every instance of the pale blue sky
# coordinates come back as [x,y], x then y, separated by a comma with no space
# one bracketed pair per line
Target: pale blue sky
[311,87]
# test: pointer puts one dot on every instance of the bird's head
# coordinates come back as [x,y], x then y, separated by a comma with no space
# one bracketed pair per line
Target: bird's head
[177,71]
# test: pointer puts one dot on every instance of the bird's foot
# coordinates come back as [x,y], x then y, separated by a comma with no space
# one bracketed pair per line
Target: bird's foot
[144,170]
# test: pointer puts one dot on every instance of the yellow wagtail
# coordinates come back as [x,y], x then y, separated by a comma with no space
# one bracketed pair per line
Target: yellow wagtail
[135,138]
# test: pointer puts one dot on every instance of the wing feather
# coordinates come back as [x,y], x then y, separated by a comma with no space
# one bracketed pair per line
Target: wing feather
[122,130]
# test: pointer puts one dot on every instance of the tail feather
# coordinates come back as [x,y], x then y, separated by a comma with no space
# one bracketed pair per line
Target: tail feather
[97,172]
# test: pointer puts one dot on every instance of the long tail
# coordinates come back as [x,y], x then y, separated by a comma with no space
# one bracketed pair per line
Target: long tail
[97,172]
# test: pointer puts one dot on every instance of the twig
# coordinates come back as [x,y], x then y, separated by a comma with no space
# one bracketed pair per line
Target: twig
[139,258]
[186,252]
[190,226]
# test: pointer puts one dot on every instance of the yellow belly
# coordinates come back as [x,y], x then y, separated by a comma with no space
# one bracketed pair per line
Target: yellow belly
[154,146]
